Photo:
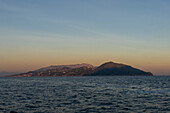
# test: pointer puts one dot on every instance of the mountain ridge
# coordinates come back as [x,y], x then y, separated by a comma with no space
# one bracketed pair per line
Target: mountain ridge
[106,69]
[111,68]
[61,66]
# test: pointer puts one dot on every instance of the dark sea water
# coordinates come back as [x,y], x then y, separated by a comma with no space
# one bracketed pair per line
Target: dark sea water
[85,94]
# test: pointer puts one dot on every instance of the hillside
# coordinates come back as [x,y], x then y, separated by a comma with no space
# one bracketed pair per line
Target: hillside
[106,69]
[111,68]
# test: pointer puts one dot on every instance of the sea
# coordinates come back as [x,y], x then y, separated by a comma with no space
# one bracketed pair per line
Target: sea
[85,94]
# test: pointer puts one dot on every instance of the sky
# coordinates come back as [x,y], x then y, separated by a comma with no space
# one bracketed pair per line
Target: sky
[39,33]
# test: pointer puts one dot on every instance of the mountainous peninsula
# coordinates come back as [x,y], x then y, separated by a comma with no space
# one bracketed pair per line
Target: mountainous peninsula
[106,69]
[111,68]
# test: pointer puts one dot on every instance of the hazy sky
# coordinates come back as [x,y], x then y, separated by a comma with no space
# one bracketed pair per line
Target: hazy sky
[38,33]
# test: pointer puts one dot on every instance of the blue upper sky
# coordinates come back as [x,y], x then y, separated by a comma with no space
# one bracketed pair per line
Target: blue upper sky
[35,33]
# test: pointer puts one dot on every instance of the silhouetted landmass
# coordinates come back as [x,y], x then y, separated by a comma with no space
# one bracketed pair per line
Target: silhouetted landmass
[106,69]
[8,73]
[111,68]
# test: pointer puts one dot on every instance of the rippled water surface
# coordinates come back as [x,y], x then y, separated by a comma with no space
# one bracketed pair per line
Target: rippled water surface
[85,94]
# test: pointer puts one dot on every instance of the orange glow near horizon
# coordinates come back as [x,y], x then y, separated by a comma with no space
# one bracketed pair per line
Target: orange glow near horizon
[42,33]
[27,62]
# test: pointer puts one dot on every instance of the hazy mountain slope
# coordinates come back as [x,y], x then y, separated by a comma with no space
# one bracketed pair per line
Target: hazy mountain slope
[66,70]
[61,66]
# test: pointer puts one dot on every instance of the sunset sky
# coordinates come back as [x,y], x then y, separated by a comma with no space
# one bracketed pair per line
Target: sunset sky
[39,33]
